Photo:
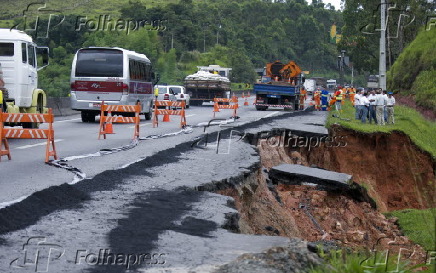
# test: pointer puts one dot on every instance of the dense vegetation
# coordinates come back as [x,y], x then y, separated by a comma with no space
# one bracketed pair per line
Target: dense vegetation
[179,35]
[414,72]
[361,31]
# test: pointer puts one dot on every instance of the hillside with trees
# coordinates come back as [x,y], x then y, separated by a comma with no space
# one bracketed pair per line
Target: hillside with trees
[178,36]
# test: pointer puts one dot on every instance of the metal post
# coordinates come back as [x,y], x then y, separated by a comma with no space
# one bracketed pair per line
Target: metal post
[382,57]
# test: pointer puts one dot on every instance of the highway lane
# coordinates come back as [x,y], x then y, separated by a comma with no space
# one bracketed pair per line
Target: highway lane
[26,172]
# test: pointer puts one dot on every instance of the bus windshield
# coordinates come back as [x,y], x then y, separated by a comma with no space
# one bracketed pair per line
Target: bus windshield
[99,63]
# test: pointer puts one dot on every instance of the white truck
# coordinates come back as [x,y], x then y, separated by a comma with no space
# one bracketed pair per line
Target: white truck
[310,85]
[18,59]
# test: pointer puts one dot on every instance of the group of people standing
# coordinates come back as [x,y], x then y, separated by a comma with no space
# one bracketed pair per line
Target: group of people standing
[376,105]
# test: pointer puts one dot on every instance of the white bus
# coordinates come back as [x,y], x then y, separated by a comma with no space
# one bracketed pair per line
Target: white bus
[114,75]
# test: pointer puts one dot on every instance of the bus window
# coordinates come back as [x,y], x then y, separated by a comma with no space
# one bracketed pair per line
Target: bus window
[99,63]
[24,53]
[148,72]
[6,49]
[32,57]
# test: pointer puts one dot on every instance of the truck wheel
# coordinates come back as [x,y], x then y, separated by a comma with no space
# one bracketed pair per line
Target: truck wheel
[85,116]
[261,108]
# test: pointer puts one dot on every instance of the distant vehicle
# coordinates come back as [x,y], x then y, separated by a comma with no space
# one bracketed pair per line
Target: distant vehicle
[114,75]
[204,86]
[20,66]
[331,84]
[180,93]
[166,92]
[372,81]
[280,86]
[310,85]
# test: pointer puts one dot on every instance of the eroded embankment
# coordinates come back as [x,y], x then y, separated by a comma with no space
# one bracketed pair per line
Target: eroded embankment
[397,174]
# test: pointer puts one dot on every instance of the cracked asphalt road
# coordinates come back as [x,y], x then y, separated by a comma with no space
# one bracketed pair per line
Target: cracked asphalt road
[147,214]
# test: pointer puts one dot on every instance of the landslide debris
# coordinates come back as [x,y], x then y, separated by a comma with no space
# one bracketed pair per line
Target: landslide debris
[349,219]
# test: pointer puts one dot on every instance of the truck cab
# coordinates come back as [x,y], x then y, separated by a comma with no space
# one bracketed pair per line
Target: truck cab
[18,58]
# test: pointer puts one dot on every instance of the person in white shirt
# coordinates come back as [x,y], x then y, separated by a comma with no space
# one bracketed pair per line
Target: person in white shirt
[371,99]
[365,105]
[357,104]
[390,108]
[385,112]
[380,103]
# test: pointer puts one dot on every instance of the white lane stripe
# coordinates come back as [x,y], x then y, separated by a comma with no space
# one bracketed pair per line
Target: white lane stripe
[7,204]
[271,114]
[187,116]
[140,125]
[67,120]
[38,144]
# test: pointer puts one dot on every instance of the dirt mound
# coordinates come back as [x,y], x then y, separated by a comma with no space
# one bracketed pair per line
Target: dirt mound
[396,173]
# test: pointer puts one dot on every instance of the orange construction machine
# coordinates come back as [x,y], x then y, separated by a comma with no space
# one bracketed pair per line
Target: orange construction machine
[280,86]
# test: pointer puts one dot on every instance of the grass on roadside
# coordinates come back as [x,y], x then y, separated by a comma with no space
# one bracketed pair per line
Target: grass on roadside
[366,262]
[421,131]
[358,262]
[418,225]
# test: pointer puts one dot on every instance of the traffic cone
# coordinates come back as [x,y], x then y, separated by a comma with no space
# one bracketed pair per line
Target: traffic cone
[215,107]
[108,127]
[246,102]
[166,118]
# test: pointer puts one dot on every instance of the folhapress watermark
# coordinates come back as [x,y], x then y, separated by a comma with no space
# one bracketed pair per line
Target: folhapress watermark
[430,23]
[107,257]
[284,138]
[39,255]
[39,20]
[107,23]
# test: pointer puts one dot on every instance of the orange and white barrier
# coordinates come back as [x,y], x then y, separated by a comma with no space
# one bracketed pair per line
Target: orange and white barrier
[233,104]
[106,121]
[21,133]
[167,113]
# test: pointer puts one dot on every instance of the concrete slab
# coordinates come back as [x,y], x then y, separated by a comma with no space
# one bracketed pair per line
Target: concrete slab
[293,174]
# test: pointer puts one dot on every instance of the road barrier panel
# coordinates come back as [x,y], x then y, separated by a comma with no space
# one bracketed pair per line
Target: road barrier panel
[232,104]
[107,120]
[167,112]
[21,133]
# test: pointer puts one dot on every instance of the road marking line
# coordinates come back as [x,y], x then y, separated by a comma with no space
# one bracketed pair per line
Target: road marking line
[187,116]
[271,114]
[38,144]
[68,120]
[141,125]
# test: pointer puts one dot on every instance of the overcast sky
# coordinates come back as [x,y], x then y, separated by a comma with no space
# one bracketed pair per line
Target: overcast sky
[336,3]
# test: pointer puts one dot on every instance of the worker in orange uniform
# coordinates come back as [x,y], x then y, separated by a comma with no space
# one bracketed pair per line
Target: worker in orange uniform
[303,94]
[352,93]
[317,99]
[344,93]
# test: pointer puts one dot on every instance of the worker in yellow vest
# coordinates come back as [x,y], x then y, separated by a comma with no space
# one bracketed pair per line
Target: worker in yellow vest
[339,98]
[156,92]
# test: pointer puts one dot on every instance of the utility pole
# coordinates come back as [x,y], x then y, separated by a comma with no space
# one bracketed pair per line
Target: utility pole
[382,57]
[341,64]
